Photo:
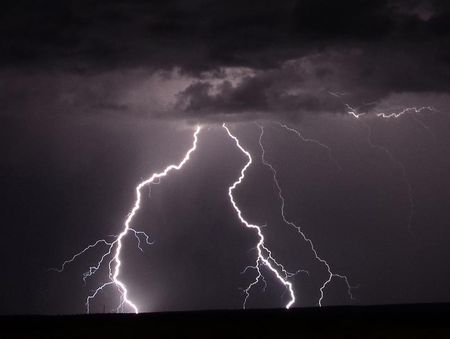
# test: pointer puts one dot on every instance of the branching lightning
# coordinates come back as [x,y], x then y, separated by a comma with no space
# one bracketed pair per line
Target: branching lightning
[314,141]
[388,114]
[265,258]
[114,248]
[412,112]
[264,255]
[331,274]
[397,163]
[354,111]
[391,114]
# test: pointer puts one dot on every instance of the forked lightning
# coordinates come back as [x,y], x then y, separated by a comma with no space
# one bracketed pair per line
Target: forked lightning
[114,248]
[331,274]
[264,255]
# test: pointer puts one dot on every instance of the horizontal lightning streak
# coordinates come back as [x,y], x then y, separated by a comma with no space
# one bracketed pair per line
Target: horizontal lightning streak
[412,111]
[404,111]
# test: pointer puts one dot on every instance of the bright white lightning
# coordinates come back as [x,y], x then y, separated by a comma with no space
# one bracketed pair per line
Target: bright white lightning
[354,111]
[264,255]
[314,141]
[404,111]
[412,111]
[331,274]
[116,245]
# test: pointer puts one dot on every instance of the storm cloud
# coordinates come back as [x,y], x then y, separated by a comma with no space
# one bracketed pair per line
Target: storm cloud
[227,60]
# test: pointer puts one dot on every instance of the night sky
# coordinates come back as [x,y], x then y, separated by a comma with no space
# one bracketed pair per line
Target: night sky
[95,96]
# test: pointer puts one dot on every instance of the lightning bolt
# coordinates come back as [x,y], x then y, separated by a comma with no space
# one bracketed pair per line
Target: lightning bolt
[354,111]
[313,141]
[404,111]
[114,248]
[264,255]
[413,111]
[410,111]
[331,274]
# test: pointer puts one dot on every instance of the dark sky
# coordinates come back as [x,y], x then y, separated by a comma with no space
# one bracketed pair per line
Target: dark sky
[97,95]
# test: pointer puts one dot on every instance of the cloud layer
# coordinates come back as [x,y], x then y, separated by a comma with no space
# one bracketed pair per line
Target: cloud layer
[215,58]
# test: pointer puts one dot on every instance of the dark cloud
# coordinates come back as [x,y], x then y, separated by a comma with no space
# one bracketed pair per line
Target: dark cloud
[274,91]
[309,85]
[367,49]
[199,34]
[352,19]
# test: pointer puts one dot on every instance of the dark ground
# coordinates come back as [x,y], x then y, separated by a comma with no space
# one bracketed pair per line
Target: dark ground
[400,321]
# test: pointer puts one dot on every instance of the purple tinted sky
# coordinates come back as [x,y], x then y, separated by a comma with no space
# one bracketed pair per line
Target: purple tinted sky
[95,97]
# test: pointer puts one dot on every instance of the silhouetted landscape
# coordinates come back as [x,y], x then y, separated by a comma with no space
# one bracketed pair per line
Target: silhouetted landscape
[398,321]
